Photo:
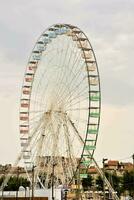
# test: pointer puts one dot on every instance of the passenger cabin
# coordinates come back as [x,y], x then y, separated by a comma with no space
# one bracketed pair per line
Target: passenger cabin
[26,90]
[52,34]
[25,103]
[93,80]
[29,77]
[24,116]
[86,162]
[24,129]
[40,46]
[58,32]
[93,129]
[94,112]
[36,55]
[91,67]
[76,31]
[90,147]
[59,25]
[24,142]
[26,154]
[46,39]
[70,33]
[64,30]
[52,29]
[82,44]
[86,55]
[75,37]
[32,68]
[94,96]
[72,27]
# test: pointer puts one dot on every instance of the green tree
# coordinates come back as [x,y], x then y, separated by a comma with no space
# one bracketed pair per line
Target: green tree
[2,179]
[99,183]
[114,180]
[87,182]
[128,182]
[23,182]
[14,183]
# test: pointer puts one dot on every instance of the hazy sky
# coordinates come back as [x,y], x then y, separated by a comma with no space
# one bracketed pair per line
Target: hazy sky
[110,28]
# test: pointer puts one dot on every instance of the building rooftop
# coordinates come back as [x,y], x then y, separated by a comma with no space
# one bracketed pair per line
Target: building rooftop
[113,163]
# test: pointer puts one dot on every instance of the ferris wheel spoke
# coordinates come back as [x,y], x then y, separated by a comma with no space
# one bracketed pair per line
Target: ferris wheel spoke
[82,93]
[66,96]
[72,54]
[42,76]
[84,121]
[60,55]
[76,76]
[33,124]
[77,58]
[63,71]
[49,174]
[77,98]
[76,109]
[70,148]
[32,101]
[35,141]
[36,111]
[77,102]
[33,132]
[61,91]
[39,155]
[63,64]
[32,135]
[37,90]
[35,118]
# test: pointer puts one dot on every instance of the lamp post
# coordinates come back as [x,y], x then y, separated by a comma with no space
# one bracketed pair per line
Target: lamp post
[3,186]
[133,160]
[78,182]
[18,170]
[103,162]
[2,194]
[53,166]
[133,169]
[33,181]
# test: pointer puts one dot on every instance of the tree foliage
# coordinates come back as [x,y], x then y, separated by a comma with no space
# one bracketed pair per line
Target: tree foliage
[87,182]
[99,183]
[112,178]
[128,182]
[14,183]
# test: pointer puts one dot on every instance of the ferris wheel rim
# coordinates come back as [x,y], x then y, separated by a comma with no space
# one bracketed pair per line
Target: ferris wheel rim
[71,27]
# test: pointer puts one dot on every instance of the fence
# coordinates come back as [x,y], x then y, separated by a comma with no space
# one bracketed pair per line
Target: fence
[25,198]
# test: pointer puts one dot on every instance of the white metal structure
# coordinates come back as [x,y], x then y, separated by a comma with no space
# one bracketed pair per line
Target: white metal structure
[60,91]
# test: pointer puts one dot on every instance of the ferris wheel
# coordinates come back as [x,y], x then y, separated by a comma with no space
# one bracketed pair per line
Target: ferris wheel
[60,104]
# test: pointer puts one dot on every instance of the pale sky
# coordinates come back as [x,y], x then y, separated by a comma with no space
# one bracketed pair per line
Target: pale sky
[110,28]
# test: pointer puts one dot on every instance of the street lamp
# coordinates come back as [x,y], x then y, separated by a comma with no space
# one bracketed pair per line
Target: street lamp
[133,169]
[53,166]
[18,173]
[133,160]
[103,162]
[33,181]
[3,186]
